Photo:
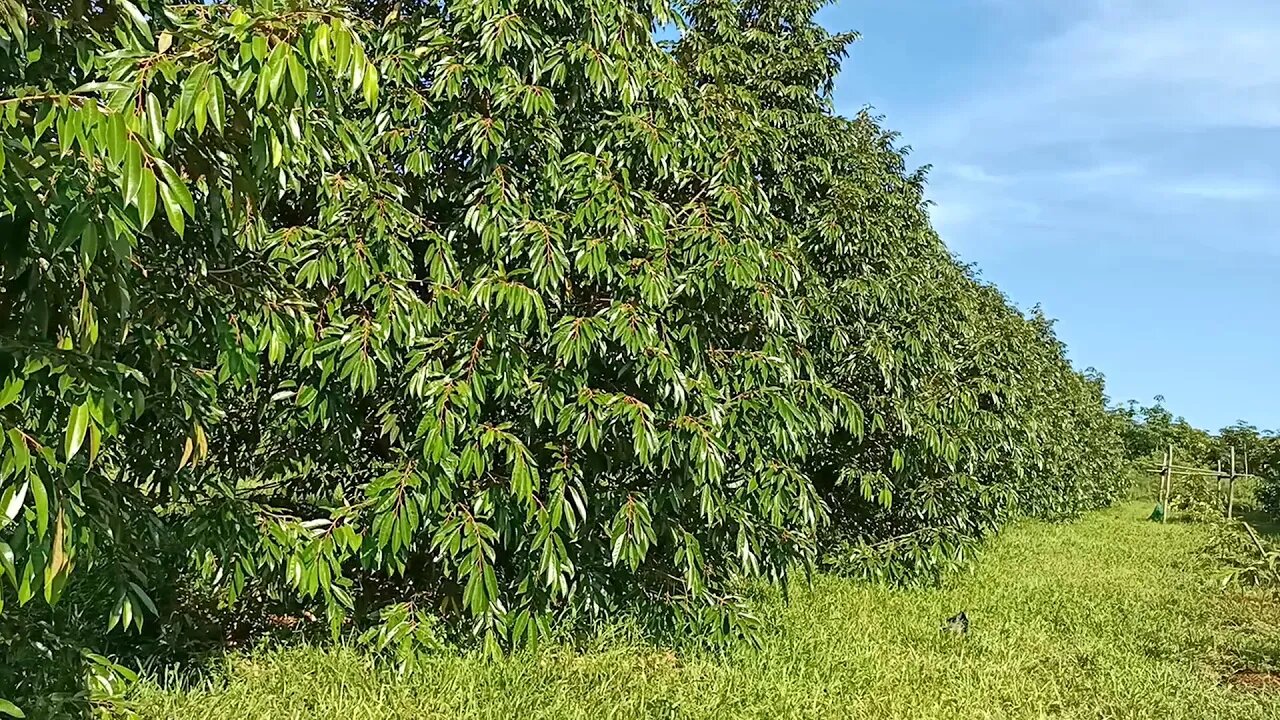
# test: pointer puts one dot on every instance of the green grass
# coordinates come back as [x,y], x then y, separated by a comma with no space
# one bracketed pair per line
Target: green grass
[1109,617]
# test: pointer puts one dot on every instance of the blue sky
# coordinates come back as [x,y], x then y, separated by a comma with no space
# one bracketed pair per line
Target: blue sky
[1117,161]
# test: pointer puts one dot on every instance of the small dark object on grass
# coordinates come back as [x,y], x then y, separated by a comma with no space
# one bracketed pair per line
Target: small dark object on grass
[1157,515]
[957,624]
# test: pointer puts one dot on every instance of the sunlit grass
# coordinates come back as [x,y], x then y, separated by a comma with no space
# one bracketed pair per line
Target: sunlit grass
[1109,617]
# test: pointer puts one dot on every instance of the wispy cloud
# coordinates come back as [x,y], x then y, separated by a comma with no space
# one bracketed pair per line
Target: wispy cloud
[1119,114]
[1225,189]
[974,174]
[1101,172]
[1126,65]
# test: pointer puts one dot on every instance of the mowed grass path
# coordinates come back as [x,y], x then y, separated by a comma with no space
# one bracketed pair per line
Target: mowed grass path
[1108,617]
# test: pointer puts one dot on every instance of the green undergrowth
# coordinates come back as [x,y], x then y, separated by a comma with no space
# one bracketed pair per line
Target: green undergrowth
[1109,617]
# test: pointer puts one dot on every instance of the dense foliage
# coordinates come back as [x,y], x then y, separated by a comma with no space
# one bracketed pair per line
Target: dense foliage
[499,308]
[968,412]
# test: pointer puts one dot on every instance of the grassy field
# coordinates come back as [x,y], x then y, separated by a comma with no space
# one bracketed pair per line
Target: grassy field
[1109,617]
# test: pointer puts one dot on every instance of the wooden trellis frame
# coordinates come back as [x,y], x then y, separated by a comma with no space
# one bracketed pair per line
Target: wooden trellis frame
[1168,469]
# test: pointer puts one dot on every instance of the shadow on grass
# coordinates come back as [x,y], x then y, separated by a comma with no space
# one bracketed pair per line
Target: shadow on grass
[1265,524]
[192,646]
[1251,633]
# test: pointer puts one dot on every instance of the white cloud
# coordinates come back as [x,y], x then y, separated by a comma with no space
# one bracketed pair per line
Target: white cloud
[1224,189]
[1134,65]
[1102,171]
[973,173]
[1123,114]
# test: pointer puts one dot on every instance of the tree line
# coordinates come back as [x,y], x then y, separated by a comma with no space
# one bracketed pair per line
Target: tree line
[1149,430]
[498,312]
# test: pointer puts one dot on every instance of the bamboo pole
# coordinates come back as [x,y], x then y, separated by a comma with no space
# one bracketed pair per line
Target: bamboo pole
[1166,489]
[1186,468]
[1218,478]
[1164,468]
[1179,466]
[1231,486]
[1159,470]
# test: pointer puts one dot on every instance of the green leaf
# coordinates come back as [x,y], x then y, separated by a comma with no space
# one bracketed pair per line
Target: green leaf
[10,709]
[201,108]
[132,172]
[370,83]
[147,197]
[155,118]
[298,76]
[25,591]
[179,188]
[40,499]
[89,244]
[117,137]
[138,18]
[77,425]
[126,612]
[18,442]
[172,209]
[262,94]
[13,499]
[146,599]
[192,87]
[11,391]
[95,443]
[7,566]
[886,497]
[217,104]
[306,395]
[277,65]
[341,45]
[72,229]
[101,87]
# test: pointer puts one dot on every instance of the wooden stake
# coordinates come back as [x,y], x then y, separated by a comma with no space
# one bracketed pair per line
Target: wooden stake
[1231,485]
[1164,469]
[1166,485]
[1217,487]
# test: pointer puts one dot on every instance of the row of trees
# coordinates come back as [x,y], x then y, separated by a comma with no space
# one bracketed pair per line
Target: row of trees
[497,307]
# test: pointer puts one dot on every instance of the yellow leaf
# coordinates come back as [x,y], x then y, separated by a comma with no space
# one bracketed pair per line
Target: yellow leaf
[59,557]
[202,444]
[186,454]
